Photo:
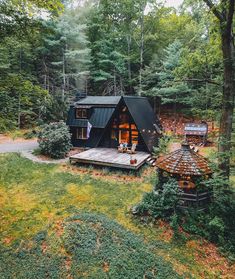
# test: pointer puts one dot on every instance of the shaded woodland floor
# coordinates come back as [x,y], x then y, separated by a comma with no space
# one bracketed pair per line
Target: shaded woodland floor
[37,200]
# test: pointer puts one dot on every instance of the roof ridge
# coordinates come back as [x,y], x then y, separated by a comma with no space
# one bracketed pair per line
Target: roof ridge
[194,154]
[177,163]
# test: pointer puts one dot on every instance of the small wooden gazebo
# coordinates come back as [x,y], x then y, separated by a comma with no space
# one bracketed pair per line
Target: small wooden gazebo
[189,169]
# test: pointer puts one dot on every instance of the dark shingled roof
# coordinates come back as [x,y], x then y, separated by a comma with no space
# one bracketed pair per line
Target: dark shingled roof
[99,100]
[184,161]
[101,116]
[98,119]
[144,117]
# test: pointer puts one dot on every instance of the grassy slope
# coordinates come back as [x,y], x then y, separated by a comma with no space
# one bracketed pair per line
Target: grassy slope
[37,197]
[85,246]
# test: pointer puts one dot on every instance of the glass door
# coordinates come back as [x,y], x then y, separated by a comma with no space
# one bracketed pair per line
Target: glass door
[124,136]
[123,129]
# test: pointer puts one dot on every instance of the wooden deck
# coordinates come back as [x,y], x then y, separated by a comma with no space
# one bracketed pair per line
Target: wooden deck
[110,157]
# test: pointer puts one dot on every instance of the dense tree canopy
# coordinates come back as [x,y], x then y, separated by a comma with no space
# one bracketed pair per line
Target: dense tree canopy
[50,50]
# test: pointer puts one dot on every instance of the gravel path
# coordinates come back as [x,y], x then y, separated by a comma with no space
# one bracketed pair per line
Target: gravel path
[12,146]
[28,154]
[25,148]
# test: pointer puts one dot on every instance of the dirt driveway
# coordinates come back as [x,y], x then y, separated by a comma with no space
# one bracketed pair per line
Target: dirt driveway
[9,145]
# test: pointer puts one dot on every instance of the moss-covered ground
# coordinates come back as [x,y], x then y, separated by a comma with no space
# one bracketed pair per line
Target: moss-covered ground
[68,222]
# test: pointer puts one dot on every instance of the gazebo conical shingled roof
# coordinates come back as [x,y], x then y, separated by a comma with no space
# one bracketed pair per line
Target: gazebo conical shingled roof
[184,161]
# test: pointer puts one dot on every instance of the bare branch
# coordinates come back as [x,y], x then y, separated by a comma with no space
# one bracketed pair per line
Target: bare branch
[215,11]
[199,80]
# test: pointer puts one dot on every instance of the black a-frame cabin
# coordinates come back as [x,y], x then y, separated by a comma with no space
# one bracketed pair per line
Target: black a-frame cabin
[100,121]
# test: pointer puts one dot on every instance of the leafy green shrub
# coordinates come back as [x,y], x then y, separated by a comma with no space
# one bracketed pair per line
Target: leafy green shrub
[162,146]
[222,212]
[216,229]
[162,202]
[55,140]
[217,224]
[6,125]
[30,134]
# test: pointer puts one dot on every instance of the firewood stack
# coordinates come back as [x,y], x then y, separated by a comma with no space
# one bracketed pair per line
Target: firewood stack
[195,140]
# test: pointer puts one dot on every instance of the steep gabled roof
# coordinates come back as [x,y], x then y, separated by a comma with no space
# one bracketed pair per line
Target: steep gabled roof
[144,118]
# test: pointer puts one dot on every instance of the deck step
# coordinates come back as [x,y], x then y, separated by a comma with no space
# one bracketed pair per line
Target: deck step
[151,161]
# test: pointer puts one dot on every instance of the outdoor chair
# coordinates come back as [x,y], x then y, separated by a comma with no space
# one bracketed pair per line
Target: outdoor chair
[121,148]
[132,150]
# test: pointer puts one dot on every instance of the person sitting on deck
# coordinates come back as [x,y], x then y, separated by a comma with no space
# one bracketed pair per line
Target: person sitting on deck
[121,147]
[125,145]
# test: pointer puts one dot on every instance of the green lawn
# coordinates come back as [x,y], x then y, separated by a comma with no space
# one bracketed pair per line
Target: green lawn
[69,222]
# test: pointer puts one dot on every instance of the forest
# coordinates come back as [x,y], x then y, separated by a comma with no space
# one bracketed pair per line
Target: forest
[60,220]
[53,50]
[106,48]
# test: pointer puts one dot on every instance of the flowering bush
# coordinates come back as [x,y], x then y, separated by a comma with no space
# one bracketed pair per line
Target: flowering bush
[55,140]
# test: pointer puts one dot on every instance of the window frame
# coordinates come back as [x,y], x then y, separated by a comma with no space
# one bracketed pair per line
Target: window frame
[81,136]
[131,128]
[83,115]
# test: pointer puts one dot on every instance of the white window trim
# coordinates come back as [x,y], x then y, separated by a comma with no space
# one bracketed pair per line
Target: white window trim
[84,113]
[84,131]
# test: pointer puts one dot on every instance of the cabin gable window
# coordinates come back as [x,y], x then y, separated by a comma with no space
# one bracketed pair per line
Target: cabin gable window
[81,133]
[124,129]
[81,113]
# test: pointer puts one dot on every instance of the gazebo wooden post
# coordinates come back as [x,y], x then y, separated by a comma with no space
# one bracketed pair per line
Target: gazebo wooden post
[160,177]
[197,198]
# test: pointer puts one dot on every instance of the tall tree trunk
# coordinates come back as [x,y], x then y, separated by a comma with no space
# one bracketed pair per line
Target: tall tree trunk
[114,83]
[227,103]
[128,38]
[122,90]
[45,73]
[224,11]
[19,94]
[142,7]
[19,111]
[64,79]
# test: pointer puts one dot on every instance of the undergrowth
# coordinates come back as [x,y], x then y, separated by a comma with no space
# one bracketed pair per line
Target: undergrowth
[89,246]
